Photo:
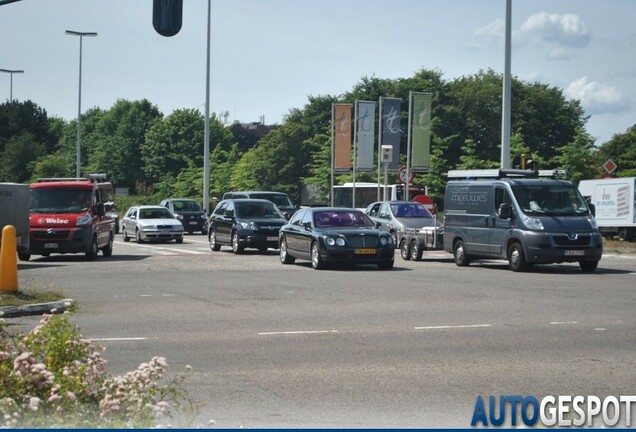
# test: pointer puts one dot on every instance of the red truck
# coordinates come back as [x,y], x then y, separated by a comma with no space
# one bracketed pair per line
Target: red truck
[71,215]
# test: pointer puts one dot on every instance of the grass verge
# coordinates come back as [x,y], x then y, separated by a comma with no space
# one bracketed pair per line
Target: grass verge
[30,295]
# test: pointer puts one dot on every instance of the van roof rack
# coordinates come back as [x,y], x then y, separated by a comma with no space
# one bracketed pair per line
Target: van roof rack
[93,178]
[504,173]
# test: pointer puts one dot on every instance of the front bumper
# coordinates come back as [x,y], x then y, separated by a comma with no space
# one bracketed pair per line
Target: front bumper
[559,247]
[59,240]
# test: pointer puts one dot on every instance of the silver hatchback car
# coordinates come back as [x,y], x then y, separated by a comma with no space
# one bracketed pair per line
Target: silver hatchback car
[151,223]
[395,216]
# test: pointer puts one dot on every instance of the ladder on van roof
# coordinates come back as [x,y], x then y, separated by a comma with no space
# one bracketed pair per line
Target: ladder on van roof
[93,178]
[475,174]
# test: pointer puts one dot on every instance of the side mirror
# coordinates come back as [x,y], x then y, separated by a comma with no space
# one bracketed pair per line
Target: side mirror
[286,215]
[307,225]
[505,211]
[378,225]
[592,209]
[100,210]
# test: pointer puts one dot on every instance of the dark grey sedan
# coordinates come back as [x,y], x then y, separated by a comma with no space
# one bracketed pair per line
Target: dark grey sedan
[335,235]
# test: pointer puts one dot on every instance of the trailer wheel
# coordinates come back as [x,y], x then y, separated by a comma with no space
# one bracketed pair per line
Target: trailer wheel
[404,250]
[624,234]
[416,250]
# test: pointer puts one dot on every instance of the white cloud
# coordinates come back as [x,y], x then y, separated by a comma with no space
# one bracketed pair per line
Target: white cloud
[567,30]
[492,33]
[596,98]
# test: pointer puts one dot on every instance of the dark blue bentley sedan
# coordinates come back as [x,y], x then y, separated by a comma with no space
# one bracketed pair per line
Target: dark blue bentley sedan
[334,235]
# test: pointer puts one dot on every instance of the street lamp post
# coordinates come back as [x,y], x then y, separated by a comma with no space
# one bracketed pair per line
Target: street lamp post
[11,72]
[79,100]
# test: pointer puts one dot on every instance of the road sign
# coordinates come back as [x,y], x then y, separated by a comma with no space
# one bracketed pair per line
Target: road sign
[426,200]
[401,175]
[610,166]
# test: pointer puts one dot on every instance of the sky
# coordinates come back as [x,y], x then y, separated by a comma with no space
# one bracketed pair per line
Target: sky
[268,56]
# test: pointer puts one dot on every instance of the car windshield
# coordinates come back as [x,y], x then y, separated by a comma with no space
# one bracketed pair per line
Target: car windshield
[186,205]
[551,200]
[410,210]
[60,200]
[257,210]
[345,218]
[280,200]
[155,213]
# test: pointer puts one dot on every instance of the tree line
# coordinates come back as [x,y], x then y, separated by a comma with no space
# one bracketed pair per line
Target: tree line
[159,156]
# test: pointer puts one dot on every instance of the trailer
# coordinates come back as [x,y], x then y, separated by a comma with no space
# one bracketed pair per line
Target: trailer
[615,205]
[14,210]
[414,241]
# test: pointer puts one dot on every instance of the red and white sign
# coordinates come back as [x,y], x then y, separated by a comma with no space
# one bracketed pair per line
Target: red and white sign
[401,175]
[610,166]
[426,200]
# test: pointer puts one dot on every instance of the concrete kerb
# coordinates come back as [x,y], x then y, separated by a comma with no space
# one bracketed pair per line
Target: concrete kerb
[36,309]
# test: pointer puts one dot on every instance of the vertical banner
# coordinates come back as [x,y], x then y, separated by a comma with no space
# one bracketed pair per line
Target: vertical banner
[421,130]
[342,136]
[391,131]
[365,135]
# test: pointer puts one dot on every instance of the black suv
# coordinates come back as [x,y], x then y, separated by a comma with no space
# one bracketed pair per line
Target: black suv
[245,223]
[281,199]
[189,212]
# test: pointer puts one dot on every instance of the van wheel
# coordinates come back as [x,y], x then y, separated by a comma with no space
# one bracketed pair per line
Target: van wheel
[624,234]
[459,253]
[108,249]
[416,250]
[516,258]
[404,250]
[91,253]
[24,256]
[588,266]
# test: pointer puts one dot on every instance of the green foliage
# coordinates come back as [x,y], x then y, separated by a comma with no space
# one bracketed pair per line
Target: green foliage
[19,151]
[52,377]
[622,150]
[578,158]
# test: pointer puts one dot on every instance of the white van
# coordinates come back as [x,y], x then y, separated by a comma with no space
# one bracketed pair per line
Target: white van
[520,217]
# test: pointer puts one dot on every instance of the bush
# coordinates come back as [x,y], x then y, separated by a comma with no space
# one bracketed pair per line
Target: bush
[52,377]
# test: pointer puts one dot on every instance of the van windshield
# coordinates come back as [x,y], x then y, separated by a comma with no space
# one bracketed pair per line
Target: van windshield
[281,200]
[550,200]
[60,200]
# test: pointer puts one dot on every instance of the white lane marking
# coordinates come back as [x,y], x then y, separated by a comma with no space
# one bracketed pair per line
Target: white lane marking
[164,250]
[564,322]
[144,295]
[600,329]
[113,339]
[297,332]
[452,327]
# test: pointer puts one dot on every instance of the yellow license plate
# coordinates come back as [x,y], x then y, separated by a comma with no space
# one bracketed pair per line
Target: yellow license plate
[365,251]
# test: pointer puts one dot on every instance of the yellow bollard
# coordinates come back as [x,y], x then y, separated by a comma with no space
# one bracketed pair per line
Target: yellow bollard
[8,260]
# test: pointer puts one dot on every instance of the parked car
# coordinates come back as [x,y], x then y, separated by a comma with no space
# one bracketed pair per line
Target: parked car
[151,223]
[245,223]
[325,235]
[189,212]
[281,199]
[395,216]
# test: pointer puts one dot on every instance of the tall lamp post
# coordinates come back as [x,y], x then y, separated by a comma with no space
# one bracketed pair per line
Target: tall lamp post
[79,99]
[11,72]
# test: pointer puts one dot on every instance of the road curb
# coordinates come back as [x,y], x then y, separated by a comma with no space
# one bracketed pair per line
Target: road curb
[35,309]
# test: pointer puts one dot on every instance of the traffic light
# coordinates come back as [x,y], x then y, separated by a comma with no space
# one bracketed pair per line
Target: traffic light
[167,16]
[527,162]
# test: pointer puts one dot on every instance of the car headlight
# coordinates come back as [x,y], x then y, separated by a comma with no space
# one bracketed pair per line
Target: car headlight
[148,227]
[386,241]
[248,225]
[532,223]
[180,217]
[334,241]
[593,223]
[203,216]
[83,220]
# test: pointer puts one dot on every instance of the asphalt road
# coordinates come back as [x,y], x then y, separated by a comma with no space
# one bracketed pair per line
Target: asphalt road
[290,347]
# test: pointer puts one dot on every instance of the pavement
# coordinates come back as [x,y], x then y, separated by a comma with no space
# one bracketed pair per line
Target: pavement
[35,309]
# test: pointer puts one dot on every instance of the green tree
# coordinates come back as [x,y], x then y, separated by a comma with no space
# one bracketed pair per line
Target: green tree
[117,139]
[622,150]
[19,151]
[578,158]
